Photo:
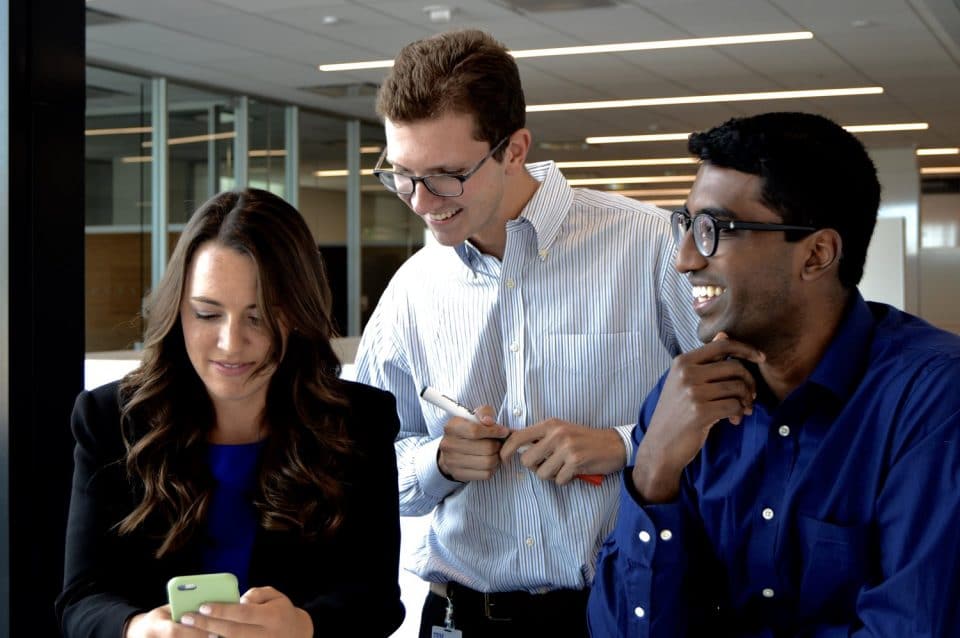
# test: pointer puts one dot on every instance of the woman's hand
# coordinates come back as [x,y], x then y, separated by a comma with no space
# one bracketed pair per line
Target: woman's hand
[157,623]
[263,612]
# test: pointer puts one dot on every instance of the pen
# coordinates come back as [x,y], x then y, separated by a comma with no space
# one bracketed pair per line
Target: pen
[454,408]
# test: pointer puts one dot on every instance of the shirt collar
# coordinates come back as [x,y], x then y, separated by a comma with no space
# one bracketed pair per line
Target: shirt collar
[545,211]
[548,207]
[841,366]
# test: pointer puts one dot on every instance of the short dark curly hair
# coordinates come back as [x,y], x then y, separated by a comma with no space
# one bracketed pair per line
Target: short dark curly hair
[814,173]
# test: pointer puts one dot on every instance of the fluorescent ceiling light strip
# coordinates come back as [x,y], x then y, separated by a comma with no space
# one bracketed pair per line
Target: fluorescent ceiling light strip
[622,47]
[664,44]
[356,66]
[887,128]
[128,130]
[662,161]
[135,159]
[651,179]
[371,149]
[940,170]
[340,173]
[671,137]
[621,139]
[704,99]
[664,202]
[268,152]
[190,139]
[651,192]
[953,150]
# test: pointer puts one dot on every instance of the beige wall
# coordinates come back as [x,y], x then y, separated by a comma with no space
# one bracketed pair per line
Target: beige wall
[940,260]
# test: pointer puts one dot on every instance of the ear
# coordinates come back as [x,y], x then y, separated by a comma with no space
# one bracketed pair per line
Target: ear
[517,147]
[821,254]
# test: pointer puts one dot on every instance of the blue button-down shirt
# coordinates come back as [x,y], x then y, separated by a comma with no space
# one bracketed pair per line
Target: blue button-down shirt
[835,512]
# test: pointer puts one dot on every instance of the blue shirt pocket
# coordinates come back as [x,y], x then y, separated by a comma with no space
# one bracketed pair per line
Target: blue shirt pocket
[832,568]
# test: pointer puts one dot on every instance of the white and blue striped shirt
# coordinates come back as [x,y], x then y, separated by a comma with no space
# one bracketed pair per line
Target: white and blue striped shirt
[577,322]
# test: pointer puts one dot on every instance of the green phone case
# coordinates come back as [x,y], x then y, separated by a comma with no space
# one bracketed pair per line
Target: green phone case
[187,593]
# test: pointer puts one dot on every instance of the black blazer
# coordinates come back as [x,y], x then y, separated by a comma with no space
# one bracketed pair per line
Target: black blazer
[346,584]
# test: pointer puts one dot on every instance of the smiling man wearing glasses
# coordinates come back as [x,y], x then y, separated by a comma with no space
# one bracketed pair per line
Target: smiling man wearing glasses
[549,310]
[798,475]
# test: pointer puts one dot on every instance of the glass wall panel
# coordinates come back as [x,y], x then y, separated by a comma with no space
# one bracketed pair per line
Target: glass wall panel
[323,200]
[200,130]
[267,128]
[390,232]
[117,207]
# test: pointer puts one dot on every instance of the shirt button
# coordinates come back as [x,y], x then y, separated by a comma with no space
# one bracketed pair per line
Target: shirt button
[767,514]
[529,541]
[639,612]
[511,283]
[783,430]
[644,536]
[767,592]
[666,535]
[517,412]
[543,255]
[514,346]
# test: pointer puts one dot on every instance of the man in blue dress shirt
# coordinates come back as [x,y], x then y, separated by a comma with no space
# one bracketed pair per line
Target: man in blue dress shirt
[798,475]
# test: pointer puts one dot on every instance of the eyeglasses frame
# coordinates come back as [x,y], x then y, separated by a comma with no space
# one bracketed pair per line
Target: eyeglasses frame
[724,224]
[460,177]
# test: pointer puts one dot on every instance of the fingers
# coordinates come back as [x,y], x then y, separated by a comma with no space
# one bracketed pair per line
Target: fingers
[721,348]
[464,429]
[521,438]
[468,467]
[486,415]
[256,595]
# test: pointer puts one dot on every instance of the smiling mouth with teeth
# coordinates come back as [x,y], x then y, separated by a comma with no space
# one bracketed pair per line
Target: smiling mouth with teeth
[439,217]
[704,293]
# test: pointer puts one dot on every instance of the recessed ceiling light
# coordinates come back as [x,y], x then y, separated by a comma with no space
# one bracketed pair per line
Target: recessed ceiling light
[704,99]
[622,47]
[953,150]
[328,20]
[940,170]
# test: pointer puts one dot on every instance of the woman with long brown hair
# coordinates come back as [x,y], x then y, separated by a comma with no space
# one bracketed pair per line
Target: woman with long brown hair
[235,447]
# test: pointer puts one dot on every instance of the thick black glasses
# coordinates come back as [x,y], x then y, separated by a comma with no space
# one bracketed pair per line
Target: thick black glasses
[706,229]
[440,184]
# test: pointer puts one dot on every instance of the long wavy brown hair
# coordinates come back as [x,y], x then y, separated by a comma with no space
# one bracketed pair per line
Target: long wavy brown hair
[167,415]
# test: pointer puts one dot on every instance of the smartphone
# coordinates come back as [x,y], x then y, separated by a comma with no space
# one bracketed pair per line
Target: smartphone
[187,593]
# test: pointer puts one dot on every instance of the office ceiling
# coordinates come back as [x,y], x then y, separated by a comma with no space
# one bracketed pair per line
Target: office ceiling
[271,49]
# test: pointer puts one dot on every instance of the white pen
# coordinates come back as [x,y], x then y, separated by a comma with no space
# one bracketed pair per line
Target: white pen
[448,405]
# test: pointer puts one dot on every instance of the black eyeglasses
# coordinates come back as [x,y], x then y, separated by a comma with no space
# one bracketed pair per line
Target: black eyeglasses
[706,229]
[440,184]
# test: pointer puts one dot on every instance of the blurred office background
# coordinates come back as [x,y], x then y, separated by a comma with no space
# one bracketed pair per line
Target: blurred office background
[163,103]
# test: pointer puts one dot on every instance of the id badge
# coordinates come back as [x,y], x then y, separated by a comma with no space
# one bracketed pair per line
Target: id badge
[443,632]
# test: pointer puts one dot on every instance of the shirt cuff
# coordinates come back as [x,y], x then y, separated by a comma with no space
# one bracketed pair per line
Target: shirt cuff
[432,482]
[626,435]
[651,535]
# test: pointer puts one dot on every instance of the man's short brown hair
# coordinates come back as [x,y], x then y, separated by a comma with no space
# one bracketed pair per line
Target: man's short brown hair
[465,71]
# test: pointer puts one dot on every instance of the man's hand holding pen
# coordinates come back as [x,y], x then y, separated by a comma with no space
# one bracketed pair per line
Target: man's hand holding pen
[470,451]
